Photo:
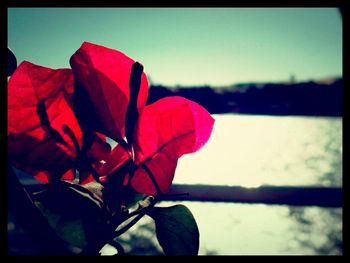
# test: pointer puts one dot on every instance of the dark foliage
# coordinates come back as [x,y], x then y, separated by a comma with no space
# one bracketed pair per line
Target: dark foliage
[305,98]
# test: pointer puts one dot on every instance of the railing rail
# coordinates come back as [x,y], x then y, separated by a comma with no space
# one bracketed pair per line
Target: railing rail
[274,195]
[279,195]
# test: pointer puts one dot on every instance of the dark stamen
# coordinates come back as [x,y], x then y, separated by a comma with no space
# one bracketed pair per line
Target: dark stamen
[132,113]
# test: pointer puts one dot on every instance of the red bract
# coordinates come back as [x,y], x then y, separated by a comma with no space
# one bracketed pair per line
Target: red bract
[165,131]
[41,123]
[102,82]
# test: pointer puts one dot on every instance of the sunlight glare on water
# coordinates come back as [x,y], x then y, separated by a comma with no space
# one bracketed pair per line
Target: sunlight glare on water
[250,151]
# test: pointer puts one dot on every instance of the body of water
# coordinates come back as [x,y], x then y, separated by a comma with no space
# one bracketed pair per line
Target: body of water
[250,151]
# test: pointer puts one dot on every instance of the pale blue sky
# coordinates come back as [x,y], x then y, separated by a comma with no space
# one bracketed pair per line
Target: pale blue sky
[189,46]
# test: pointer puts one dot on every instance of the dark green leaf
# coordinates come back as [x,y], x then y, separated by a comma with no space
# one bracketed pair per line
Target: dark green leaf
[176,230]
[73,211]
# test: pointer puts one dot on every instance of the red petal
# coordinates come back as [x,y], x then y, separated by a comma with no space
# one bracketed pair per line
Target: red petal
[115,159]
[104,159]
[69,175]
[31,146]
[165,131]
[44,176]
[85,177]
[102,77]
[98,151]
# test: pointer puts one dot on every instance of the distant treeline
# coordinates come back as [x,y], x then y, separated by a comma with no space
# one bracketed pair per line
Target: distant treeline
[306,98]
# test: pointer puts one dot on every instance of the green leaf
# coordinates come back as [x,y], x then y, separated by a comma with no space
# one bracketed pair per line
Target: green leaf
[73,212]
[176,230]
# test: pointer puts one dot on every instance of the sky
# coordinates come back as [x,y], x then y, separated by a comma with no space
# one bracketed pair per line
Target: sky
[189,46]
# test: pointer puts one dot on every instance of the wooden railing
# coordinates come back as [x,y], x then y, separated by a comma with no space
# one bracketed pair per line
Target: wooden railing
[279,195]
[274,195]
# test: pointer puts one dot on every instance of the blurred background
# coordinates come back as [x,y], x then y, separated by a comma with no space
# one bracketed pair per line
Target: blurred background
[271,77]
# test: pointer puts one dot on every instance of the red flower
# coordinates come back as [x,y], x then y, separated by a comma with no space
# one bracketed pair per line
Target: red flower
[109,96]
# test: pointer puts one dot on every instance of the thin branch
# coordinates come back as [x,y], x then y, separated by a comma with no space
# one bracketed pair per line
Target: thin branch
[139,213]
